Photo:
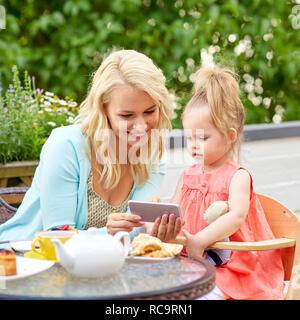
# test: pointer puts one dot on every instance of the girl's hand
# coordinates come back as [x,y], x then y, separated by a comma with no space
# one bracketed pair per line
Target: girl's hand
[194,246]
[166,227]
[122,222]
[154,199]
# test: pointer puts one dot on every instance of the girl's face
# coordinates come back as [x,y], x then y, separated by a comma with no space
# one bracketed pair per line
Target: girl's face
[205,143]
[132,113]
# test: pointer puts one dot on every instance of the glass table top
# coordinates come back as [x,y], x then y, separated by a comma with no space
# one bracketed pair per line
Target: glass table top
[134,280]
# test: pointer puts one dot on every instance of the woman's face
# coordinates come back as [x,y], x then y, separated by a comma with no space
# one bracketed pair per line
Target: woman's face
[132,113]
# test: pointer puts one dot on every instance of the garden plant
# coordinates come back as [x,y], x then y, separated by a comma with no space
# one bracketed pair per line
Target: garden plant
[27,117]
[62,43]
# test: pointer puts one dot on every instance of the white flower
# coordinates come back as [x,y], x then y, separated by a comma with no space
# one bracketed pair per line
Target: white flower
[269,55]
[72,104]
[277,118]
[152,22]
[279,109]
[53,124]
[248,78]
[243,46]
[51,99]
[259,90]
[267,102]
[47,93]
[258,82]
[232,37]
[249,87]
[63,102]
[257,100]
[249,53]
[268,36]
[207,58]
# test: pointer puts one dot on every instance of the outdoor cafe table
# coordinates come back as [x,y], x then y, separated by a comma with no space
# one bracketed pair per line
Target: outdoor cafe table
[181,278]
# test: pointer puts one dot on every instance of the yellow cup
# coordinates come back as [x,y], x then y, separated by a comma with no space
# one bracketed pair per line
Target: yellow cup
[46,247]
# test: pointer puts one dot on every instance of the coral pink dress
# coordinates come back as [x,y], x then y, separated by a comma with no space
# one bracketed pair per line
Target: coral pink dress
[248,274]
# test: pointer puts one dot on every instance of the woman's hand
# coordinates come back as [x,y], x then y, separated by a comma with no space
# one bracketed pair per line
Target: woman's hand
[166,227]
[122,222]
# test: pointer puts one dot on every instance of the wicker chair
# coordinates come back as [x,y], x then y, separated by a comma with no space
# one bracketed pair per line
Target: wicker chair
[10,199]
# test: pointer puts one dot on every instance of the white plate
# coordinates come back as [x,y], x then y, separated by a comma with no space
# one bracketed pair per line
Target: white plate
[21,245]
[27,267]
[147,259]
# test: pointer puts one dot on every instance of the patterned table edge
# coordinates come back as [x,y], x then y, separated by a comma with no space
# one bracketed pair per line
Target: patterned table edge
[186,294]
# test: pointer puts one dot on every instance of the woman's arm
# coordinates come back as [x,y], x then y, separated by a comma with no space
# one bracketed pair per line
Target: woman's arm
[227,224]
[59,179]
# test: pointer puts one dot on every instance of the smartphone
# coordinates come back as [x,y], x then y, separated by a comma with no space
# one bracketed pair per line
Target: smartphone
[149,211]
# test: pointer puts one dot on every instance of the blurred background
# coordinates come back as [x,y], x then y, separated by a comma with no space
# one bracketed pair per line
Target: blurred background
[50,49]
[61,43]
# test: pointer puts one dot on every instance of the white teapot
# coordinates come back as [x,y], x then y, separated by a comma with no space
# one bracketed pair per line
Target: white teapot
[91,254]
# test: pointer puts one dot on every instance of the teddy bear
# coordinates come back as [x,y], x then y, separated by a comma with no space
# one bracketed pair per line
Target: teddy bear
[215,210]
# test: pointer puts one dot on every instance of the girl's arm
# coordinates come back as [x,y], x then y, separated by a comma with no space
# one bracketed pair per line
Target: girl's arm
[227,224]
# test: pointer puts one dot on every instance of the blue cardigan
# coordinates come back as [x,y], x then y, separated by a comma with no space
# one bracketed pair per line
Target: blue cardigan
[58,194]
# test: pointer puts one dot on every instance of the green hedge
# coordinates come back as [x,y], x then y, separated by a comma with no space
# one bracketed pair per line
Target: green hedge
[62,43]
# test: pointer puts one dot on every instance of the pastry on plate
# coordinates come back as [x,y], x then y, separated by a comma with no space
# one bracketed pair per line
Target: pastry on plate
[8,263]
[144,243]
[148,246]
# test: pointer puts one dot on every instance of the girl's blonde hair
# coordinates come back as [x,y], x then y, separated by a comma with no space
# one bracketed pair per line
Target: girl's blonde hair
[124,67]
[218,88]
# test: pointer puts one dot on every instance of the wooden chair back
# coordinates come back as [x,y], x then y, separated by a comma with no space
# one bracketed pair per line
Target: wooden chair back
[13,199]
[12,196]
[284,224]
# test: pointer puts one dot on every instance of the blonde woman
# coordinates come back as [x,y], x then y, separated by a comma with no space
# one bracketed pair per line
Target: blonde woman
[115,152]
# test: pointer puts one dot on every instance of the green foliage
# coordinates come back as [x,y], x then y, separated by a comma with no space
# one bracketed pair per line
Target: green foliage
[63,42]
[27,117]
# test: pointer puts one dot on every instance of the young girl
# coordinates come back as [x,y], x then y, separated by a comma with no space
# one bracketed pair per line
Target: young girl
[213,122]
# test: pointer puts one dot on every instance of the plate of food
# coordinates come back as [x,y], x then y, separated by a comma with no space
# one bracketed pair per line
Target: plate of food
[146,248]
[21,245]
[13,267]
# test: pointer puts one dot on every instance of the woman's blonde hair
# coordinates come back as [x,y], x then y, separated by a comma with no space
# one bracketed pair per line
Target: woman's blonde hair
[218,88]
[124,67]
